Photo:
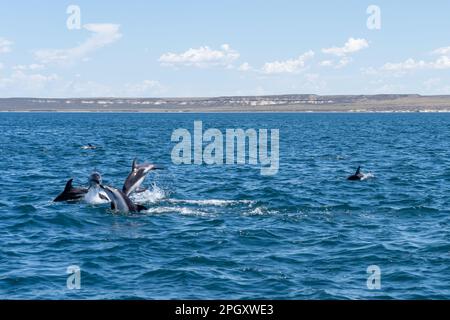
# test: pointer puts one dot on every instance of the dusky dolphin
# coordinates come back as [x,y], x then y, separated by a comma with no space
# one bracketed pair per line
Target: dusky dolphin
[120,201]
[357,176]
[95,195]
[89,146]
[137,176]
[71,193]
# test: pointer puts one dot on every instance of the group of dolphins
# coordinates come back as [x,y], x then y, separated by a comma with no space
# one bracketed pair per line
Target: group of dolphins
[97,193]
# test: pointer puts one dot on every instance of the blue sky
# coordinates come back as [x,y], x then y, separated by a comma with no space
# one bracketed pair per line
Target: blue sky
[212,48]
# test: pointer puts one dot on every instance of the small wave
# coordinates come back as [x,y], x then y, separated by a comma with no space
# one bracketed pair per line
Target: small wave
[181,210]
[259,211]
[25,208]
[212,202]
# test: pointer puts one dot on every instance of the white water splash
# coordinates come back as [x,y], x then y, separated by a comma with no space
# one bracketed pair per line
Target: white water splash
[163,205]
[259,211]
[212,202]
[180,210]
[154,195]
[367,176]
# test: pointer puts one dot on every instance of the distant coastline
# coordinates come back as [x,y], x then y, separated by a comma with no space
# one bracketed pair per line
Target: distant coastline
[235,104]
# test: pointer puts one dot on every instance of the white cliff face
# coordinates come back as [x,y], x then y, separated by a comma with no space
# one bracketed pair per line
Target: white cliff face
[205,102]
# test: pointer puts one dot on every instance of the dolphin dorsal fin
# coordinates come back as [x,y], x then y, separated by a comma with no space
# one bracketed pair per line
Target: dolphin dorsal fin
[68,185]
[134,165]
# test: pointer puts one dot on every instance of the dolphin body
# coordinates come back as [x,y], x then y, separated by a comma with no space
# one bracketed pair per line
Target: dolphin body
[357,176]
[95,195]
[71,193]
[137,176]
[120,201]
[92,195]
[89,146]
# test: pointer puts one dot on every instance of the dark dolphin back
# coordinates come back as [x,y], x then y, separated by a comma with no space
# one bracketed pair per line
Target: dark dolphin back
[70,193]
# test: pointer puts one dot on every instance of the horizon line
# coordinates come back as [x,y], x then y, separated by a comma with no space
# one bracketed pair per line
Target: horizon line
[233,96]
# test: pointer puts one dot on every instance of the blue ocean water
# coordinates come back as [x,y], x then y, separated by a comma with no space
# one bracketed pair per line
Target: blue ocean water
[226,232]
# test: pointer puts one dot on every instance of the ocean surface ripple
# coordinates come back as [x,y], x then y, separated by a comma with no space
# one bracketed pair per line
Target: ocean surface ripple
[226,232]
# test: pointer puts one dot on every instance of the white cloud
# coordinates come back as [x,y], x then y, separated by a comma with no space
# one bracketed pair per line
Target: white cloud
[342,62]
[20,83]
[245,67]
[5,45]
[201,57]
[442,51]
[441,63]
[370,71]
[92,89]
[144,88]
[32,67]
[436,86]
[326,63]
[102,35]
[288,66]
[409,64]
[86,89]
[24,81]
[351,46]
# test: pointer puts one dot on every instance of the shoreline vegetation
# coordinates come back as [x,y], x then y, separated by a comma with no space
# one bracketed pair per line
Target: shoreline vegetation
[235,104]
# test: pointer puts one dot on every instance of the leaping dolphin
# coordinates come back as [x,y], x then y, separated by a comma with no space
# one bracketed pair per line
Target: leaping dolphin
[357,176]
[70,193]
[120,201]
[137,176]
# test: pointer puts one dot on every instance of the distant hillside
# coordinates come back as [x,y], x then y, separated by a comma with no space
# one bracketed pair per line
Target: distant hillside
[274,103]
